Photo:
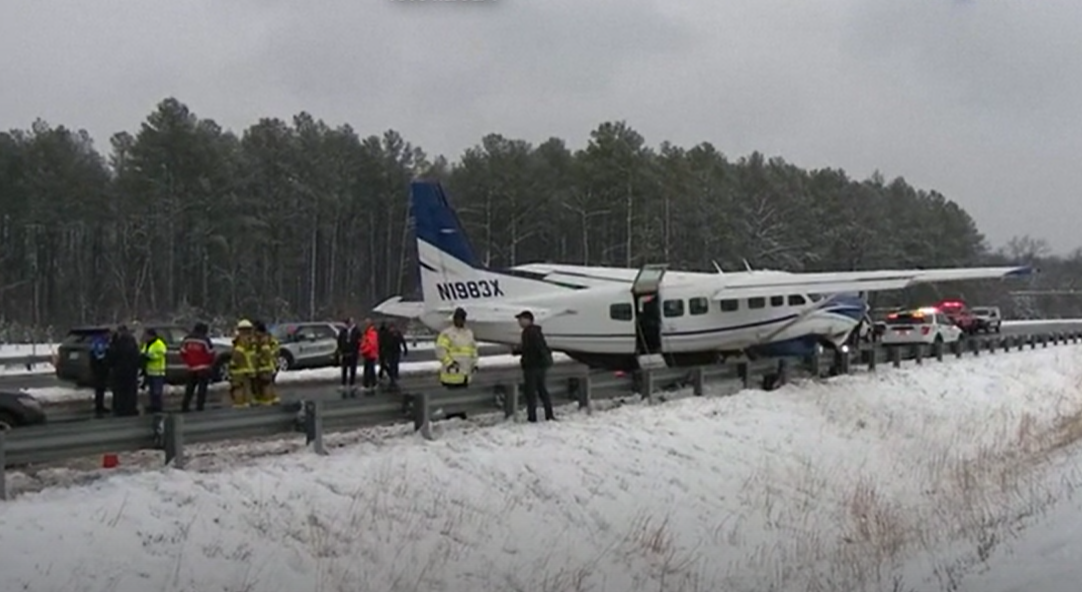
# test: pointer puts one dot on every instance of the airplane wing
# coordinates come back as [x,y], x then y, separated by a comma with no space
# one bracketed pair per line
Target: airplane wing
[752,285]
[489,312]
[396,307]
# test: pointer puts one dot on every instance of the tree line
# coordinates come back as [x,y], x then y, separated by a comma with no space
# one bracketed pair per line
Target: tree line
[296,220]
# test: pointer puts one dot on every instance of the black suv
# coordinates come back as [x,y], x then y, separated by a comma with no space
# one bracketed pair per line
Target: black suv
[73,354]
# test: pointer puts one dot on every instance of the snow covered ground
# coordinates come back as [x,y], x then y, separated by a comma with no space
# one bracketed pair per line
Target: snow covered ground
[55,394]
[851,484]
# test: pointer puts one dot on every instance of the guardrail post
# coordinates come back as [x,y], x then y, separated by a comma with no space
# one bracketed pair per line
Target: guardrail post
[173,435]
[1032,341]
[1044,340]
[991,343]
[3,471]
[646,382]
[510,400]
[974,346]
[313,426]
[841,362]
[1020,342]
[698,380]
[743,372]
[918,353]
[896,356]
[1055,338]
[937,349]
[422,416]
[814,365]
[585,395]
[956,348]
[783,372]
[871,356]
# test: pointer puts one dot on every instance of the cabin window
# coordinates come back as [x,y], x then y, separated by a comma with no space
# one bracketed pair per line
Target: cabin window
[756,302]
[815,297]
[698,306]
[621,312]
[797,300]
[777,301]
[730,305]
[673,308]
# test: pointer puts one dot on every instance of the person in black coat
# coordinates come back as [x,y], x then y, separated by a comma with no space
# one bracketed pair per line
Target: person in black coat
[381,338]
[536,360]
[349,350]
[393,346]
[125,362]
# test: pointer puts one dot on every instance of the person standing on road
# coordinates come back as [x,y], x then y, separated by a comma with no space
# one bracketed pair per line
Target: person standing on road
[266,365]
[456,350]
[349,346]
[125,363]
[381,337]
[370,353]
[99,370]
[394,345]
[536,360]
[242,366]
[154,351]
[197,352]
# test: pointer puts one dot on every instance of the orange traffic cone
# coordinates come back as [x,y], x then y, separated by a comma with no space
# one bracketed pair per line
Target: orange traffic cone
[109,461]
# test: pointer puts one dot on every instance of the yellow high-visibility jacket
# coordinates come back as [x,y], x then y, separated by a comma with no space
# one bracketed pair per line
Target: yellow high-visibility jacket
[266,354]
[155,357]
[456,350]
[242,363]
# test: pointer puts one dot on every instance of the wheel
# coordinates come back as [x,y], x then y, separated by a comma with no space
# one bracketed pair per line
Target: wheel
[221,370]
[7,421]
[285,361]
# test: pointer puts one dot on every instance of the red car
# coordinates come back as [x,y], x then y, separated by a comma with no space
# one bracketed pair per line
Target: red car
[958,312]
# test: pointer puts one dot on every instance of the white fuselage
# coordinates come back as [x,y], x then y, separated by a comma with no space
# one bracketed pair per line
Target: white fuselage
[602,319]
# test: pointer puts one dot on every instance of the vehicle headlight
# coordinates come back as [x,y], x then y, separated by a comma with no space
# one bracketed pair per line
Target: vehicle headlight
[30,402]
[845,349]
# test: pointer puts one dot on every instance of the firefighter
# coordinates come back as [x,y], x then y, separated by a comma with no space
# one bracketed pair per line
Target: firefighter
[242,365]
[456,350]
[266,365]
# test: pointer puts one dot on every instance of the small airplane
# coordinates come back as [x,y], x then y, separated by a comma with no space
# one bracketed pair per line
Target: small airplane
[625,319]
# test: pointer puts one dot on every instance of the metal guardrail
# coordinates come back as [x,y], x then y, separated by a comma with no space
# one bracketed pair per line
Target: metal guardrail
[28,360]
[315,416]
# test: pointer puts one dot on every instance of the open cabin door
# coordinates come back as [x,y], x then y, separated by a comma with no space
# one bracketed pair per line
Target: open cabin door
[645,292]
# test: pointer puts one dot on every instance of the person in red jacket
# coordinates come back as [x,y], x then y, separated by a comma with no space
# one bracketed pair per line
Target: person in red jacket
[370,354]
[197,352]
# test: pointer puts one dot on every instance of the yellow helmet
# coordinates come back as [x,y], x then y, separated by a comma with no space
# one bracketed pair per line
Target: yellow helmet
[244,324]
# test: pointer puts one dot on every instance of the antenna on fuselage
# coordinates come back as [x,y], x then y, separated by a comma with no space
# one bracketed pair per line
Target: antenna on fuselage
[747,265]
[717,267]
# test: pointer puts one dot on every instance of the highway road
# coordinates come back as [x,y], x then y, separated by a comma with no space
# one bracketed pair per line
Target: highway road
[31,381]
[299,390]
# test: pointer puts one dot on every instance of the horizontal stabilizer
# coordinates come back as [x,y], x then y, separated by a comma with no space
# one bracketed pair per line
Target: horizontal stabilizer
[396,307]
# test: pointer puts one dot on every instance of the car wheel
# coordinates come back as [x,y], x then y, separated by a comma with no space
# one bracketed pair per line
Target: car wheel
[7,421]
[285,361]
[221,370]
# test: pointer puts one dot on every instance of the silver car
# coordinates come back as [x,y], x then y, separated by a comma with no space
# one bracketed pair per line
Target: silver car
[306,345]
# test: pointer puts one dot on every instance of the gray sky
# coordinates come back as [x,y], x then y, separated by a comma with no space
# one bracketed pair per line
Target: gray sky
[979,99]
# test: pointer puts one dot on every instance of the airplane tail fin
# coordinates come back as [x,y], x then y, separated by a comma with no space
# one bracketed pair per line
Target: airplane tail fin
[451,272]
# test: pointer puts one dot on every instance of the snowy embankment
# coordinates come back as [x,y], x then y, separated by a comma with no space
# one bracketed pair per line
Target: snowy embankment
[58,394]
[840,485]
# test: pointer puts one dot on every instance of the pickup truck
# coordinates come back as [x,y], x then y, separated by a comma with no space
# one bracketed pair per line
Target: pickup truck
[961,315]
[989,318]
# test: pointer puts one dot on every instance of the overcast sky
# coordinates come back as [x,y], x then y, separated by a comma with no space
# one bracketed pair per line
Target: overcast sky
[980,99]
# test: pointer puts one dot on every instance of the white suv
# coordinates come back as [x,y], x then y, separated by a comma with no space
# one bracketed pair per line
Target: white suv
[989,319]
[924,325]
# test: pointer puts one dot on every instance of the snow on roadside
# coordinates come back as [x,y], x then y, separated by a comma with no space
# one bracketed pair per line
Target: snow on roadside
[818,483]
[56,394]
